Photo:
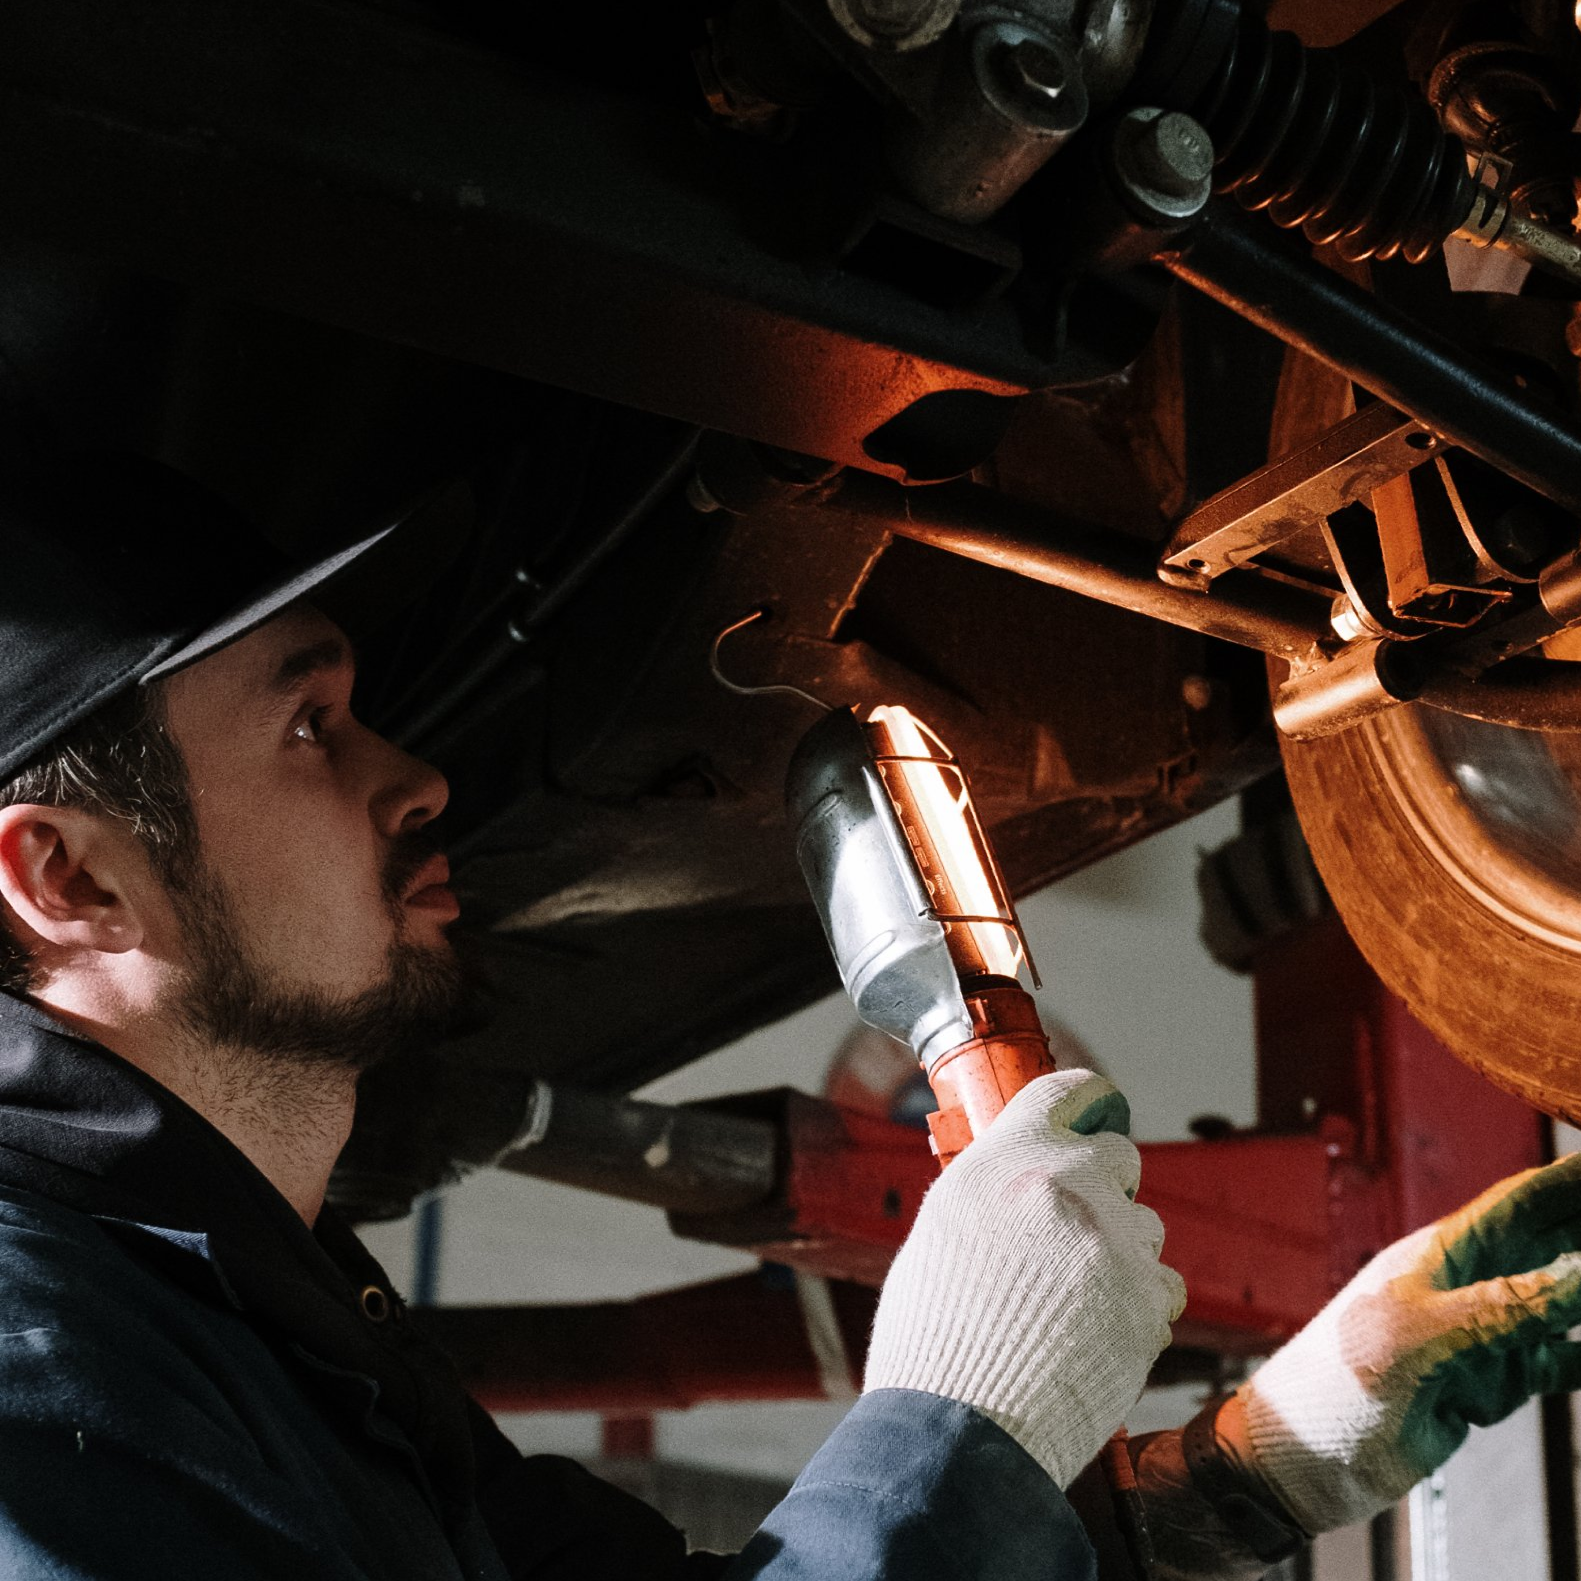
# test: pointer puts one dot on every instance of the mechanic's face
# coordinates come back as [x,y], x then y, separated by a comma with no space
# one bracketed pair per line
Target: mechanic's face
[314,929]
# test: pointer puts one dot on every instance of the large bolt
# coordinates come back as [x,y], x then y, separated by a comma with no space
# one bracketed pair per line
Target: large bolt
[1032,70]
[1173,154]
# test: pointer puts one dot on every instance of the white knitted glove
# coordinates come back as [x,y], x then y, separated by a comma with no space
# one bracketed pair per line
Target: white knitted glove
[1456,1325]
[1030,1287]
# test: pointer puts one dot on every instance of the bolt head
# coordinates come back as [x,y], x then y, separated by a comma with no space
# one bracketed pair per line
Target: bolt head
[1348,622]
[1034,69]
[1173,154]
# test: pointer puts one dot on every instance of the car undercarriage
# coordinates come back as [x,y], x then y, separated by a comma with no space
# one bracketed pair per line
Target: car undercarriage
[1137,391]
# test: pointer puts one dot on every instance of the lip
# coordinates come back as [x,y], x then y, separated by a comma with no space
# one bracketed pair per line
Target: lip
[430,889]
[434,873]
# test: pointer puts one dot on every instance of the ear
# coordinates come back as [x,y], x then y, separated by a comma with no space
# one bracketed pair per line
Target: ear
[65,872]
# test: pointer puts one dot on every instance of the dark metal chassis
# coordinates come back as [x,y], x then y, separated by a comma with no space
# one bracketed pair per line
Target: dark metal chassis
[346,261]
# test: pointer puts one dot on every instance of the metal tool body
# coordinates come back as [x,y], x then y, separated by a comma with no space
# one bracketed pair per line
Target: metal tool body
[916,911]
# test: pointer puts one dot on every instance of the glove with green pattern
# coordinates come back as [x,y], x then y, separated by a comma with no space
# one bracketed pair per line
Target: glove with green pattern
[1452,1327]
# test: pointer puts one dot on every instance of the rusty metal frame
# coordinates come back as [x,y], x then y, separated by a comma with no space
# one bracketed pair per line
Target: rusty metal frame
[1300,491]
[1059,550]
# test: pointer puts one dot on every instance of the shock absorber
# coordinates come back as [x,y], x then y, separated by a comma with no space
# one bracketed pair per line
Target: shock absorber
[1308,138]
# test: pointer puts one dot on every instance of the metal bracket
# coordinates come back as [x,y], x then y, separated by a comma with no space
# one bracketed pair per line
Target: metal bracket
[1430,562]
[1298,492]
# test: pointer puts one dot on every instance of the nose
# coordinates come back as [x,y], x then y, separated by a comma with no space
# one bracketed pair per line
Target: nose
[411,792]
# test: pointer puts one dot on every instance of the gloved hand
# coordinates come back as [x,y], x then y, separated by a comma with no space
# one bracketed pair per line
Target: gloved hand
[1030,1287]
[1456,1325]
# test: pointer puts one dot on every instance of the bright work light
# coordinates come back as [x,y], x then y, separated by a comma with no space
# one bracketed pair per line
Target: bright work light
[916,910]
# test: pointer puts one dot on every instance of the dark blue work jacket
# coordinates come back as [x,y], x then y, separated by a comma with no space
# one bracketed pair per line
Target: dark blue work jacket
[195,1385]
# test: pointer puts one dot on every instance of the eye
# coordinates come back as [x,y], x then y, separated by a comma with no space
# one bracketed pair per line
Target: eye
[310,728]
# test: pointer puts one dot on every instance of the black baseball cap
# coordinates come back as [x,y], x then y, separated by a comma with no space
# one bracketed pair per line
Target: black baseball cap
[116,570]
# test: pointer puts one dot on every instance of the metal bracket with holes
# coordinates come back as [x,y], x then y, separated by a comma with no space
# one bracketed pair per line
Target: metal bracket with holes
[1300,491]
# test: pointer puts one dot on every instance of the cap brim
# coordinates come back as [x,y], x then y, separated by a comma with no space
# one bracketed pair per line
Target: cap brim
[274,597]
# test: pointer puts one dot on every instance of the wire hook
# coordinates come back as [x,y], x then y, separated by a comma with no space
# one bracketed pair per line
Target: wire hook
[760,613]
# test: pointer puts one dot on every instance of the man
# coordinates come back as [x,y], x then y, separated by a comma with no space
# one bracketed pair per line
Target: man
[218,904]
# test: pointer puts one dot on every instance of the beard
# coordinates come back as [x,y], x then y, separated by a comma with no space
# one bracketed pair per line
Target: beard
[234,1001]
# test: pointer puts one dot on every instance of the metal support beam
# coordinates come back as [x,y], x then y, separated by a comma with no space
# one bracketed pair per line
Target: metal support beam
[745,1338]
[1525,694]
[848,1186]
[681,1159]
[767,1335]
[1096,562]
[1244,263]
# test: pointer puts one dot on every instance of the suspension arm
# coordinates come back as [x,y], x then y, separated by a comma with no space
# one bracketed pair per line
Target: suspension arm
[1246,266]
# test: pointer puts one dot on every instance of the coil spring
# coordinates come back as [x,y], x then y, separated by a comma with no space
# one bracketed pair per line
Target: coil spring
[1318,144]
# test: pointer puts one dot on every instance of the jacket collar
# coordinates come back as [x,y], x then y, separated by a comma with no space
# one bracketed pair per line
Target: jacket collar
[87,1129]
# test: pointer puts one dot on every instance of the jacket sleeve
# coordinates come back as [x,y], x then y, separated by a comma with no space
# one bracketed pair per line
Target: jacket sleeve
[909,1487]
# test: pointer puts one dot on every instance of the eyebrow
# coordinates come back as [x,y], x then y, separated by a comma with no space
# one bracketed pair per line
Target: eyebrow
[332,653]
